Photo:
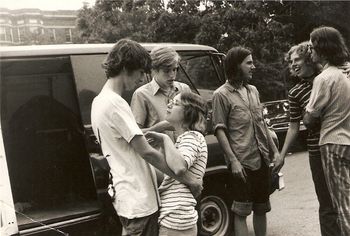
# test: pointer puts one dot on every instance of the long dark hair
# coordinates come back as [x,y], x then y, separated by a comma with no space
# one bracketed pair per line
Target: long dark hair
[233,59]
[329,43]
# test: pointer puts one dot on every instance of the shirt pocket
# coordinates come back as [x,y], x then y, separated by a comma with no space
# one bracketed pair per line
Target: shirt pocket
[239,116]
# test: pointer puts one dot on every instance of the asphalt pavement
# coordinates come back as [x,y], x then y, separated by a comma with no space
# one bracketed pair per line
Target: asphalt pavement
[295,208]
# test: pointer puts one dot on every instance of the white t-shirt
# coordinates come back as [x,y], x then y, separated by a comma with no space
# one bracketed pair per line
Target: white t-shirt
[134,179]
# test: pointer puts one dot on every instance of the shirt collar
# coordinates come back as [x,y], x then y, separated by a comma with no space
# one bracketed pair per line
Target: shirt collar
[230,87]
[155,86]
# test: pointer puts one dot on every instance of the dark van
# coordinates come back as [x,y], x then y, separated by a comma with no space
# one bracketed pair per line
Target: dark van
[52,176]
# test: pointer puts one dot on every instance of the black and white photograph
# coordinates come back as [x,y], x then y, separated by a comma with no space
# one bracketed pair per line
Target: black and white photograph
[174,118]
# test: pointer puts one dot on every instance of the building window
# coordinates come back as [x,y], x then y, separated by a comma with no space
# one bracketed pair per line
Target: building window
[21,33]
[52,34]
[34,29]
[33,21]
[2,34]
[20,22]
[68,33]
[11,35]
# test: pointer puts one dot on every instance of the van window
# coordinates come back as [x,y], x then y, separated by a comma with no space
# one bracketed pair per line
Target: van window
[90,78]
[203,73]
[48,165]
[199,66]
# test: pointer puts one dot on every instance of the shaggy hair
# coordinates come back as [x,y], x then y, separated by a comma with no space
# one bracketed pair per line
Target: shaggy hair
[302,49]
[126,54]
[329,43]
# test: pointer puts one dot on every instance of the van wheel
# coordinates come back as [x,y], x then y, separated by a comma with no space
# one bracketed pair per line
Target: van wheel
[215,217]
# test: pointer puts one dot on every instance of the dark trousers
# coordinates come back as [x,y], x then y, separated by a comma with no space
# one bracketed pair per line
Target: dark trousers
[327,213]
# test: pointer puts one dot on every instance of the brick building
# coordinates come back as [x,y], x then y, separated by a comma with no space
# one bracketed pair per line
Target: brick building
[34,26]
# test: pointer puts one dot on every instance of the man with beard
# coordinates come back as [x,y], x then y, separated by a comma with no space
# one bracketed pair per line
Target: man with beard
[243,135]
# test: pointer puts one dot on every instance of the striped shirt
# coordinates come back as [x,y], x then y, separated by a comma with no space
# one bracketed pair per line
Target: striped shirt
[299,97]
[177,202]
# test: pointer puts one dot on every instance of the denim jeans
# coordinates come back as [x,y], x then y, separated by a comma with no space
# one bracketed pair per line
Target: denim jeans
[327,213]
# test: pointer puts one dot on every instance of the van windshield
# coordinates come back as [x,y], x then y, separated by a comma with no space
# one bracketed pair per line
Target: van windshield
[48,165]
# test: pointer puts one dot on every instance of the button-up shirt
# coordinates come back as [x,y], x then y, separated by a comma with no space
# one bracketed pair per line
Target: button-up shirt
[149,103]
[243,123]
[329,100]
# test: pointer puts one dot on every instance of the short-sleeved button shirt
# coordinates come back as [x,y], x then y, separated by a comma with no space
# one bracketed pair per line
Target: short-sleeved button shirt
[244,124]
[149,103]
[329,100]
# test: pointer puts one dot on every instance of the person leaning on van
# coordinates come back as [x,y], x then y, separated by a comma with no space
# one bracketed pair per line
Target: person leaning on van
[135,195]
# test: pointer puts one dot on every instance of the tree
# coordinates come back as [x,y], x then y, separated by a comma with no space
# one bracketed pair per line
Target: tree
[269,28]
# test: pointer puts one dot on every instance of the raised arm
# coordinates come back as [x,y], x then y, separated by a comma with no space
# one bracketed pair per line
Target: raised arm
[159,127]
[157,159]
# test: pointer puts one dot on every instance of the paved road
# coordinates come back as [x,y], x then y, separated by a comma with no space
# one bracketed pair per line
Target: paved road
[294,209]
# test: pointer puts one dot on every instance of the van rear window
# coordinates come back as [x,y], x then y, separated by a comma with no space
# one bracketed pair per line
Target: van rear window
[48,164]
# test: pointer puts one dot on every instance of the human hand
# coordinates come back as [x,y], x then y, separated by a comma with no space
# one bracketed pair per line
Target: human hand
[155,139]
[238,170]
[278,163]
[196,187]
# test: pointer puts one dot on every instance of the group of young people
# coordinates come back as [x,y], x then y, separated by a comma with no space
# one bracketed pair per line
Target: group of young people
[321,100]
[159,139]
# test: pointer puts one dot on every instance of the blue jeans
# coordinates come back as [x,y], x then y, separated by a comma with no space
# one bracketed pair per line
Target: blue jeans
[327,213]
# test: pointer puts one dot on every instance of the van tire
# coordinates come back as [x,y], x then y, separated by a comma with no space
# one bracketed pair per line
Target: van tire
[215,216]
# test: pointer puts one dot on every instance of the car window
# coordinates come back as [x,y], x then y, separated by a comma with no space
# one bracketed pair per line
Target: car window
[202,71]
[199,67]
[48,164]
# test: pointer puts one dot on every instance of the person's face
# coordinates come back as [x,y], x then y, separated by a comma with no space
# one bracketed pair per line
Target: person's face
[134,79]
[247,67]
[175,111]
[299,66]
[315,57]
[166,76]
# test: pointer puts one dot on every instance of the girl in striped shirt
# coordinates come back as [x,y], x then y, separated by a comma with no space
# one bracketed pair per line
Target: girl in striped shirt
[187,114]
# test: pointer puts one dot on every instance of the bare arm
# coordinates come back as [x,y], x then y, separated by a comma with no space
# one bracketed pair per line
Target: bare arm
[173,157]
[159,127]
[292,134]
[157,159]
[310,121]
[236,167]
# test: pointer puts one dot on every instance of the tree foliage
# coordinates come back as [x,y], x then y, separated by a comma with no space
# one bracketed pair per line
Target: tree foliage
[269,28]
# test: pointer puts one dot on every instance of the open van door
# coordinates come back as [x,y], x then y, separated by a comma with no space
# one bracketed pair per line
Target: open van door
[8,222]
